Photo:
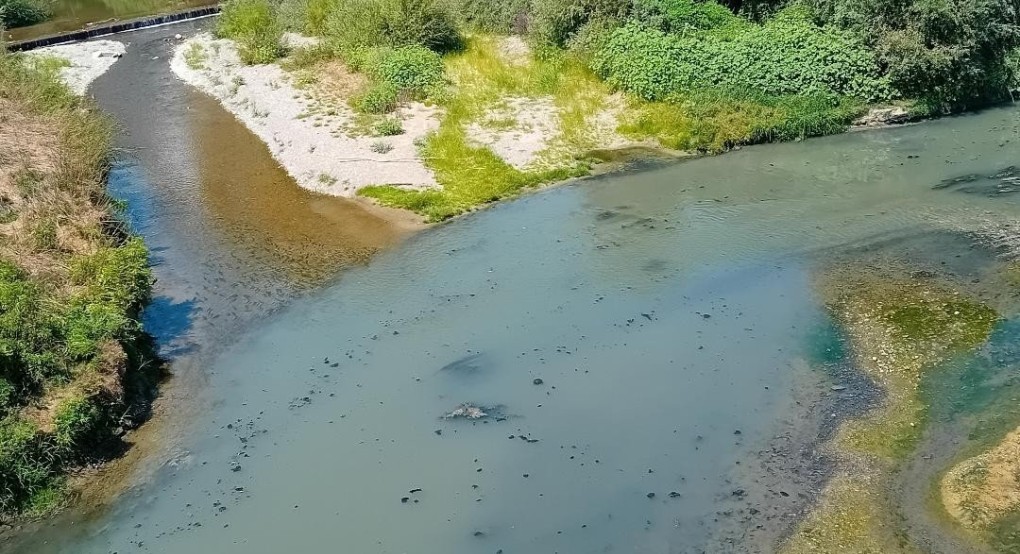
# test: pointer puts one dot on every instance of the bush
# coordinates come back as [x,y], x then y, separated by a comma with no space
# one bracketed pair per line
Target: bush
[683,16]
[788,55]
[408,72]
[253,25]
[556,22]
[378,99]
[118,276]
[79,421]
[496,16]
[25,467]
[19,13]
[350,24]
[389,127]
[411,69]
[948,53]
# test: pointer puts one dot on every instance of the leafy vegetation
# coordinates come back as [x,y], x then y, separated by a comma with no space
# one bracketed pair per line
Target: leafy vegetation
[19,13]
[71,287]
[253,25]
[788,55]
[695,75]
[348,24]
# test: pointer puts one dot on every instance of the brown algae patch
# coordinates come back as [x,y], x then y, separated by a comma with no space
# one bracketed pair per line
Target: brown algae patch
[899,329]
[982,490]
[852,516]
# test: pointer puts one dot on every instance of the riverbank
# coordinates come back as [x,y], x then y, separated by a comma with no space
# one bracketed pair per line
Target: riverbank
[507,121]
[79,371]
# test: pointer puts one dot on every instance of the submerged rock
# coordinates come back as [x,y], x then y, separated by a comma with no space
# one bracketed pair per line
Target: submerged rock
[474,412]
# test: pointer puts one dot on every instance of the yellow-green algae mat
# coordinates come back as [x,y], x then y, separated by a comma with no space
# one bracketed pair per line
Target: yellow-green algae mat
[898,329]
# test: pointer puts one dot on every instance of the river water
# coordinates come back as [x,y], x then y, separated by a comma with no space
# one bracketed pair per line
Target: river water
[72,15]
[638,340]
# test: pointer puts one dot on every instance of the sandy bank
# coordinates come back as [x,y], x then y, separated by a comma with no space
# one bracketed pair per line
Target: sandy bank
[88,60]
[317,150]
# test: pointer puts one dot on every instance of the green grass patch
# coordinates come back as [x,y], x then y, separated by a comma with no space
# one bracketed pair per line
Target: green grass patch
[469,174]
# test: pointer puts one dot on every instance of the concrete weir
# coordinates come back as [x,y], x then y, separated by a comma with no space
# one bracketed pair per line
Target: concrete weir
[113,27]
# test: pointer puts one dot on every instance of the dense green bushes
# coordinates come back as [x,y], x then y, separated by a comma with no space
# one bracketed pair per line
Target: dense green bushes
[949,53]
[18,13]
[787,55]
[396,74]
[253,25]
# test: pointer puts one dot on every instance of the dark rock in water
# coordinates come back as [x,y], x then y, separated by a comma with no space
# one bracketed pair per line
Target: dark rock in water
[650,495]
[1004,181]
[464,366]
[537,381]
[403,500]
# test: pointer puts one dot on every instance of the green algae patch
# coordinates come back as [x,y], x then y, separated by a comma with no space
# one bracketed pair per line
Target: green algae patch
[900,331]
[852,516]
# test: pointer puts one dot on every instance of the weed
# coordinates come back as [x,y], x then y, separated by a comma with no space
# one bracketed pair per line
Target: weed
[389,127]
[252,24]
[381,147]
[195,56]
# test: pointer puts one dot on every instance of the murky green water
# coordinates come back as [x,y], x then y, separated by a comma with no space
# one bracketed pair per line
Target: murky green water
[643,343]
[72,15]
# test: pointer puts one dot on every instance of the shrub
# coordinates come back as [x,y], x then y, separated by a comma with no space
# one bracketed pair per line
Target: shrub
[378,99]
[411,69]
[253,25]
[19,13]
[349,24]
[381,147]
[948,53]
[556,22]
[389,127]
[397,73]
[79,421]
[683,16]
[788,55]
[24,466]
[118,276]
[497,16]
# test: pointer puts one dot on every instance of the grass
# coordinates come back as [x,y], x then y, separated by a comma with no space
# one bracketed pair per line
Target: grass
[195,57]
[472,175]
[72,282]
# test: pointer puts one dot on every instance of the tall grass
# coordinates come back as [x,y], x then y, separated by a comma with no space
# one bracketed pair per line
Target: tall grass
[253,25]
[72,283]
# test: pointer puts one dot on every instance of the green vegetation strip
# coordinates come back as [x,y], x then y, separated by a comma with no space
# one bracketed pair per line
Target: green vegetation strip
[72,283]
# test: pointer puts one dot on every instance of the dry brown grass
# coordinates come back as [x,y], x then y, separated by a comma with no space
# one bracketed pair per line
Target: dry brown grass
[51,189]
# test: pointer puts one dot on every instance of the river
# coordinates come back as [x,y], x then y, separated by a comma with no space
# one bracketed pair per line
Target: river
[640,340]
